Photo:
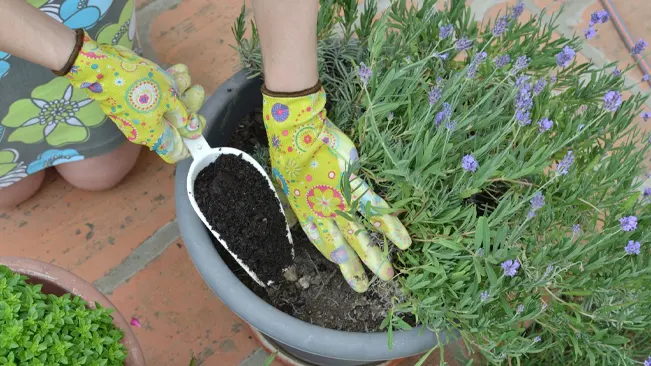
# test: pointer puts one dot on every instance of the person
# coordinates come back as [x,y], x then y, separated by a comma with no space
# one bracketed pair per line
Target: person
[64,120]
[309,154]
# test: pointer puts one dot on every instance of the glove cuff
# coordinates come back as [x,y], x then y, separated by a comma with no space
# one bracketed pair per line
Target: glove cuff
[79,42]
[298,94]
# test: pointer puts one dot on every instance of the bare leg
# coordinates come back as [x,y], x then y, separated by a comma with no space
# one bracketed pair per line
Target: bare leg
[288,37]
[21,191]
[101,172]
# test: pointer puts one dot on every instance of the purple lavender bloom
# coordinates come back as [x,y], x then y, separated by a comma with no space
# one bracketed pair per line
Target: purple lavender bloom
[517,10]
[599,17]
[647,362]
[521,81]
[645,77]
[531,214]
[545,124]
[451,125]
[523,117]
[520,309]
[501,61]
[484,296]
[446,31]
[645,116]
[549,270]
[617,72]
[510,267]
[628,223]
[537,202]
[576,229]
[443,115]
[463,43]
[537,339]
[442,56]
[565,164]
[552,78]
[434,95]
[539,86]
[612,100]
[633,247]
[565,57]
[469,163]
[521,63]
[639,47]
[500,26]
[647,192]
[590,32]
[478,59]
[364,73]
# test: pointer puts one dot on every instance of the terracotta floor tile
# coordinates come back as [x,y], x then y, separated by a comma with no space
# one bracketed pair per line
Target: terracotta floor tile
[180,315]
[91,232]
[198,34]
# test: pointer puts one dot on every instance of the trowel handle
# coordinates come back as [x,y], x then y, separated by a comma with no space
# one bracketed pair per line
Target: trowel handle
[198,147]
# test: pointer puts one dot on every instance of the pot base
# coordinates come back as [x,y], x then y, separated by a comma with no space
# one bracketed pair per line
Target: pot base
[286,358]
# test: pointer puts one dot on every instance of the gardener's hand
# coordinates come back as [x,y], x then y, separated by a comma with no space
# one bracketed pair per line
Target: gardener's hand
[151,106]
[309,156]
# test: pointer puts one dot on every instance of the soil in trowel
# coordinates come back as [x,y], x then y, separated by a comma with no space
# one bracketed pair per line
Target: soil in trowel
[239,205]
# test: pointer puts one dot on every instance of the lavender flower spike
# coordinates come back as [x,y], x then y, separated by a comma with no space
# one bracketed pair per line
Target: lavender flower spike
[521,63]
[647,362]
[612,100]
[517,10]
[639,47]
[434,95]
[364,73]
[510,267]
[520,309]
[463,44]
[628,223]
[545,124]
[500,26]
[539,86]
[590,32]
[645,77]
[446,31]
[645,116]
[565,57]
[469,163]
[502,60]
[538,201]
[565,164]
[633,247]
[484,296]
[576,229]
[537,339]
[599,17]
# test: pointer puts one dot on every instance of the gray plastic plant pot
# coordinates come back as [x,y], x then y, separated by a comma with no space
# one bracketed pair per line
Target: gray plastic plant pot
[316,345]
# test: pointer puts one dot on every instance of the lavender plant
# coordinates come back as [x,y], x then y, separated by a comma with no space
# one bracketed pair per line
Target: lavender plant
[516,168]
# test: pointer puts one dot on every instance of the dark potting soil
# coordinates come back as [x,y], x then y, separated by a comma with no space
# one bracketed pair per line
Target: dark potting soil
[239,204]
[321,296]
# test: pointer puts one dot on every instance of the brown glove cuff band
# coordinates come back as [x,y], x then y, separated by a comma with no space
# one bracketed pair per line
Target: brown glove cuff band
[297,94]
[79,35]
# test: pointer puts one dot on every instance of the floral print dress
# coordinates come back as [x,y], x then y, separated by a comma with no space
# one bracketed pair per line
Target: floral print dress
[44,121]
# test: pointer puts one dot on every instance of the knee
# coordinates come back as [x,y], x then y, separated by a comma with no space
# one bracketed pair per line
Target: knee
[21,191]
[102,172]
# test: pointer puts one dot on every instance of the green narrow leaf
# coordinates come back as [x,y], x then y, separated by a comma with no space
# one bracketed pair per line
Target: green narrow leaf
[270,359]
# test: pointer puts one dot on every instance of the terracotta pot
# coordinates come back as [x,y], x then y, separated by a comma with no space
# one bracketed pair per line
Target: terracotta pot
[58,281]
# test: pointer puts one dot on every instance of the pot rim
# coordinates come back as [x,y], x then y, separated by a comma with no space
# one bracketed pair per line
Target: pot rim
[77,286]
[354,346]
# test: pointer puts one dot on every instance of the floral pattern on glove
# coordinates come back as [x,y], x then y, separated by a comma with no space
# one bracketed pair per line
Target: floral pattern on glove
[308,157]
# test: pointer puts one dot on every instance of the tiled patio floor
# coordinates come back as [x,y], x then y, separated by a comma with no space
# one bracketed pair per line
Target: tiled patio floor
[126,240]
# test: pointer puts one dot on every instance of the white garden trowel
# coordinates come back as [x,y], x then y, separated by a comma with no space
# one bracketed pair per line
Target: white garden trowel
[203,155]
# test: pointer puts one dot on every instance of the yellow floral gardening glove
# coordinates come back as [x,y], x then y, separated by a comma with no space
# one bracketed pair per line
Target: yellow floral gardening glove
[308,157]
[151,106]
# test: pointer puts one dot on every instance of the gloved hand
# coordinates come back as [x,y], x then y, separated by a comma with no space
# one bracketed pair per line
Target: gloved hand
[147,103]
[308,157]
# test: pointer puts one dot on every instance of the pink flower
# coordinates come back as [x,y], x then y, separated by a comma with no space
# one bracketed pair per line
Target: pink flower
[136,323]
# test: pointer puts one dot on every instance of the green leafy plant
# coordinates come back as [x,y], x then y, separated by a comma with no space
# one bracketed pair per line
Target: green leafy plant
[40,329]
[516,168]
